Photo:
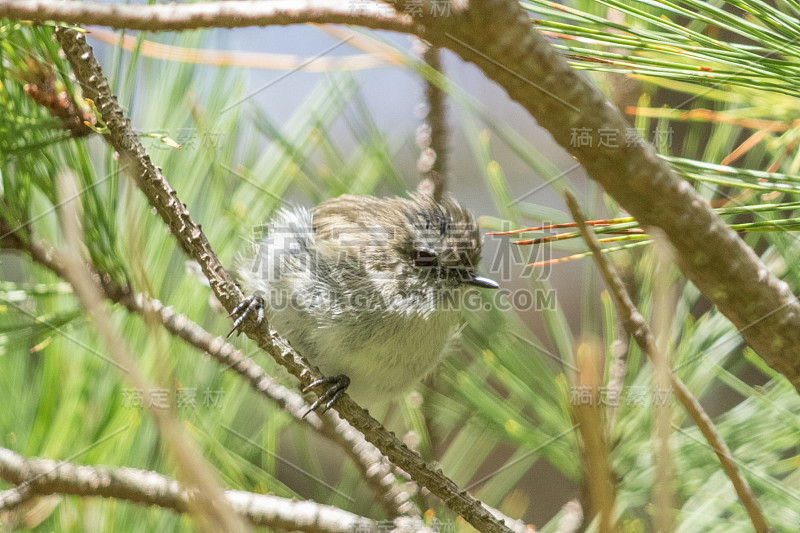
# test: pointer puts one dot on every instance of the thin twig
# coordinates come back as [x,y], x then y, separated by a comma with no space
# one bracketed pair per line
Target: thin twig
[636,327]
[233,14]
[45,476]
[193,241]
[14,497]
[662,413]
[599,492]
[516,525]
[571,517]
[433,133]
[240,58]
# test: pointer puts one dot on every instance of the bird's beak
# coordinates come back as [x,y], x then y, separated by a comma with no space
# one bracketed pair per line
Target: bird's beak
[480,281]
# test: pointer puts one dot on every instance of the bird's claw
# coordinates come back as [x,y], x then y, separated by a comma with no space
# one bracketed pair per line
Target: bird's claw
[252,304]
[337,387]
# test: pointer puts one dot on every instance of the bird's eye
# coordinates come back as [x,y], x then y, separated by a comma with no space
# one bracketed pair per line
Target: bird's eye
[424,258]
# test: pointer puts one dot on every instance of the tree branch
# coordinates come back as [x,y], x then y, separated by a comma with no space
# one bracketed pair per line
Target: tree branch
[191,238]
[433,133]
[636,327]
[497,35]
[373,466]
[45,476]
[233,14]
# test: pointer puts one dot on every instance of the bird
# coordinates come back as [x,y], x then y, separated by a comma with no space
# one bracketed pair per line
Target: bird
[368,289]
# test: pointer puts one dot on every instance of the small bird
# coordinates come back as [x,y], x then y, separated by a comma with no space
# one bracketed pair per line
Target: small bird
[368,289]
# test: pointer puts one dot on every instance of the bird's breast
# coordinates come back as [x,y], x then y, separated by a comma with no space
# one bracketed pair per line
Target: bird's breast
[387,356]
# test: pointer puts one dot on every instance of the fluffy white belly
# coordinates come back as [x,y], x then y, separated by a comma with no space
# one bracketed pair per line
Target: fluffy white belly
[381,360]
